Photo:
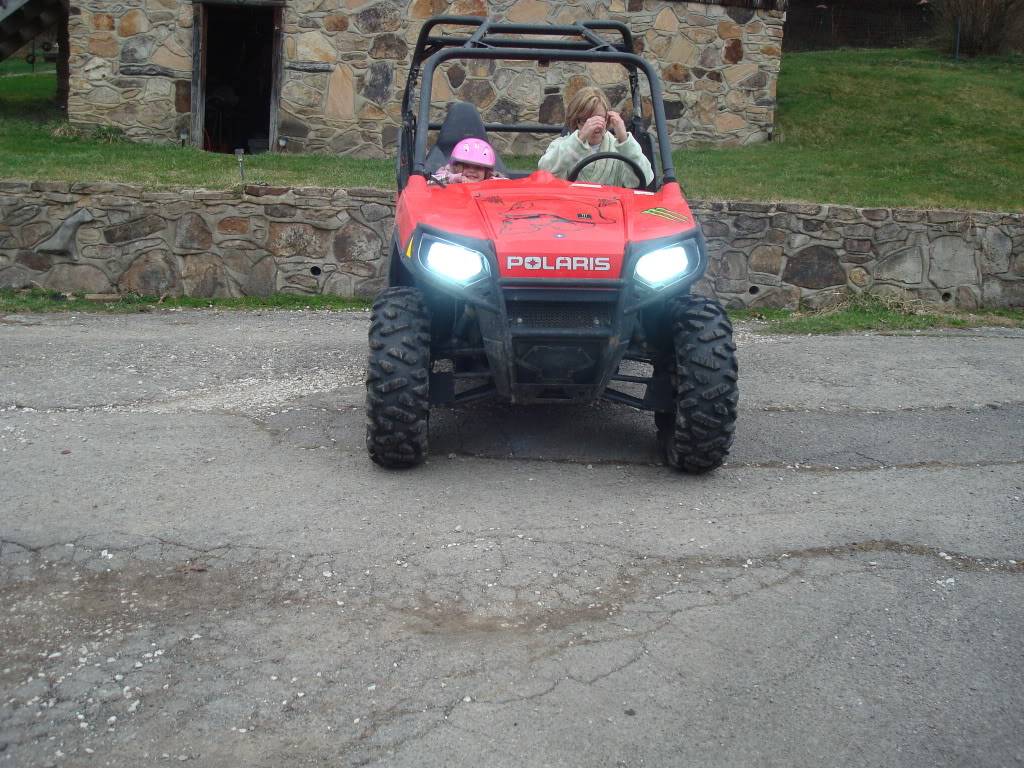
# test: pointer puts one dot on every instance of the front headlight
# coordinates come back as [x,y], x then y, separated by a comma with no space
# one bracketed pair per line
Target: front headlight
[452,261]
[665,265]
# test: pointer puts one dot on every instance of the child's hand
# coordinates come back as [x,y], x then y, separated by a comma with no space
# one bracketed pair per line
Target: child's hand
[592,131]
[617,126]
[455,178]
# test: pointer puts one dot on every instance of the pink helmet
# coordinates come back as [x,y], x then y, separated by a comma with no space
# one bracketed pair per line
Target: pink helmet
[475,152]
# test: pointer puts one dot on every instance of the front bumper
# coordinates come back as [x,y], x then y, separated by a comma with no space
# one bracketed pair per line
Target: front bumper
[549,340]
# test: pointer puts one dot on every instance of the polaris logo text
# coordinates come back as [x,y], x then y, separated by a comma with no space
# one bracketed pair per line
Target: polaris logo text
[555,263]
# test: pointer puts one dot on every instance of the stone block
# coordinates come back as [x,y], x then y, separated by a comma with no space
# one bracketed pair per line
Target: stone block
[814,267]
[996,248]
[171,58]
[205,275]
[946,217]
[378,80]
[389,46]
[858,231]
[854,245]
[103,45]
[380,17]
[233,225]
[315,46]
[749,224]
[17,276]
[288,239]
[152,274]
[952,263]
[182,96]
[20,215]
[354,243]
[132,23]
[34,260]
[77,278]
[859,277]
[675,73]
[904,266]
[134,229]
[998,292]
[876,214]
[733,51]
[714,227]
[767,259]
[907,216]
[336,23]
[968,297]
[802,209]
[891,231]
[341,94]
[192,233]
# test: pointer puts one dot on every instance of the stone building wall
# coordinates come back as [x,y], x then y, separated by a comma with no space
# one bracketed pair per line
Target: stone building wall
[345,63]
[100,238]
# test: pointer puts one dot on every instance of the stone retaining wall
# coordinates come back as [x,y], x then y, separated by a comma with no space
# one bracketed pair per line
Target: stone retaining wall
[101,238]
[782,254]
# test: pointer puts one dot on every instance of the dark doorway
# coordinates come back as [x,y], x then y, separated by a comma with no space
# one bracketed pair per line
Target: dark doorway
[238,77]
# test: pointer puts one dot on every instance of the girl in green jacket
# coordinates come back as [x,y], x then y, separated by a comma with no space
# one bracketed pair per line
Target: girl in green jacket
[594,127]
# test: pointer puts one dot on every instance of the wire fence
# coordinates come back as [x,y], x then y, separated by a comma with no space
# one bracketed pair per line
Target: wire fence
[821,25]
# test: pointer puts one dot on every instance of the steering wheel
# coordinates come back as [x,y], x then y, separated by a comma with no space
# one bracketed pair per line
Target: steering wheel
[633,166]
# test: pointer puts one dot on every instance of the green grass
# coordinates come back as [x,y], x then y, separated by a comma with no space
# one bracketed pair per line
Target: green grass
[20,66]
[36,300]
[881,127]
[871,313]
[858,127]
[36,144]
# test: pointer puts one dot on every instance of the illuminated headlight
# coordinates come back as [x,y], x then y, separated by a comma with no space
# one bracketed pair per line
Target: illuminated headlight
[664,265]
[452,261]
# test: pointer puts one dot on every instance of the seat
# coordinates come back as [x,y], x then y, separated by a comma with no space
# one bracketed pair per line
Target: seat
[461,122]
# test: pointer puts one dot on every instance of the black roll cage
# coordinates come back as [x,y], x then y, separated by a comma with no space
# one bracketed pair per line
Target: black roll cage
[581,42]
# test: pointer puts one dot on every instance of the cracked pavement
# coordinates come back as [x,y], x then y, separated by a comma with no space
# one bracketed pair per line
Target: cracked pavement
[199,564]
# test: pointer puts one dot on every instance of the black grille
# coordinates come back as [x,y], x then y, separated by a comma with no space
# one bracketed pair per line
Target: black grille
[541,314]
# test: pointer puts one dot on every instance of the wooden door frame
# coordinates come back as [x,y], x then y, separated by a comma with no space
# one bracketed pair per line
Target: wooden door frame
[199,27]
[198,74]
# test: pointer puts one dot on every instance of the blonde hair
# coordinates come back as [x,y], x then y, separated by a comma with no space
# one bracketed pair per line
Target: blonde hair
[582,105]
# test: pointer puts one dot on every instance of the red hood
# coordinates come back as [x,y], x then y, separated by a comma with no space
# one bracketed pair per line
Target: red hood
[542,226]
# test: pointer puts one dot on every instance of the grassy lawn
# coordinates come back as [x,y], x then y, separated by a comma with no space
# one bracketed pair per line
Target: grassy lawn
[859,127]
[36,144]
[881,127]
[22,67]
[879,314]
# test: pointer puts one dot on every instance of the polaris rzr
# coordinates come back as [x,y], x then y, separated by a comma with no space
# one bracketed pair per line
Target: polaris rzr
[535,289]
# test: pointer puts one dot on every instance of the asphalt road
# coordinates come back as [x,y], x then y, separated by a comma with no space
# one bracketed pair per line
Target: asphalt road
[199,564]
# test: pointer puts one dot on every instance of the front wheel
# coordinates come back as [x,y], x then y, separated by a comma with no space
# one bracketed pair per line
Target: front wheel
[398,379]
[698,435]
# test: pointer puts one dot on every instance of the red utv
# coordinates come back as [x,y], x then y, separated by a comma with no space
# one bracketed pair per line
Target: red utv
[533,289]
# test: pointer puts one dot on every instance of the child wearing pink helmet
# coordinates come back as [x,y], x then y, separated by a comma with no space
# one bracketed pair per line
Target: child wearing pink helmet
[471,160]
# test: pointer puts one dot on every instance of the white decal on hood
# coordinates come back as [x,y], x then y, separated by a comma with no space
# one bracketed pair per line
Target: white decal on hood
[555,263]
